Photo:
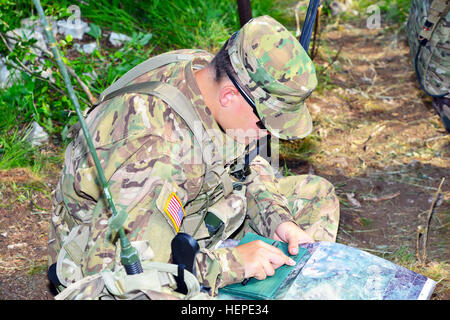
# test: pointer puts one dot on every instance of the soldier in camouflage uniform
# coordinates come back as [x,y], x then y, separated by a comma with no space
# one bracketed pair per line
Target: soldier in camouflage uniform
[150,158]
[429,41]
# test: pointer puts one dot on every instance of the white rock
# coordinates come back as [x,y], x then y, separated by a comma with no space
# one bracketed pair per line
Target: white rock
[34,23]
[17,245]
[76,30]
[337,8]
[351,198]
[28,34]
[117,39]
[7,77]
[48,74]
[4,75]
[36,135]
[88,48]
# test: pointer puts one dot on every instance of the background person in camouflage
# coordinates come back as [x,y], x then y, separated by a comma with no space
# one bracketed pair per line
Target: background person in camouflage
[433,62]
[145,149]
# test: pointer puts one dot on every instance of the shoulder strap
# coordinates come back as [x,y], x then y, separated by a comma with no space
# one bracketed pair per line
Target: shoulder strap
[438,9]
[183,107]
[175,99]
[144,67]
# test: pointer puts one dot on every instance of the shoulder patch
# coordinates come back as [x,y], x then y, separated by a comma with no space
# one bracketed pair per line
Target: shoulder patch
[174,209]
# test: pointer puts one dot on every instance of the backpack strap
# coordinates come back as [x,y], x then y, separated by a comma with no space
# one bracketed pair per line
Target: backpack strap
[183,107]
[438,9]
[175,99]
[142,68]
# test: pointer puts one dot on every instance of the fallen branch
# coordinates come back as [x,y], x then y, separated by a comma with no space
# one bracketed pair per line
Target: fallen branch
[383,198]
[430,213]
[21,66]
[373,134]
[314,50]
[333,61]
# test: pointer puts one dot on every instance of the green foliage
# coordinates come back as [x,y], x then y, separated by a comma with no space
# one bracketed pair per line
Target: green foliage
[153,26]
[402,256]
[395,11]
[16,152]
[95,31]
[300,149]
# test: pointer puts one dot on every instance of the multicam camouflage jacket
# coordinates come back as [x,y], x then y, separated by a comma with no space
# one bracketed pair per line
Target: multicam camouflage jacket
[148,156]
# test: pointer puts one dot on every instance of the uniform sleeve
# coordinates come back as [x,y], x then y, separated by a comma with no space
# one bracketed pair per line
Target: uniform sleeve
[267,207]
[220,267]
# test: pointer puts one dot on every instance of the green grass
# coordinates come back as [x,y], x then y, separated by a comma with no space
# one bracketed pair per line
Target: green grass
[300,149]
[23,191]
[15,151]
[154,26]
[393,11]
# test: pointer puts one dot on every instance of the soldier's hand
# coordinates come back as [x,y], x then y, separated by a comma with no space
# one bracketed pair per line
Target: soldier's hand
[290,233]
[261,259]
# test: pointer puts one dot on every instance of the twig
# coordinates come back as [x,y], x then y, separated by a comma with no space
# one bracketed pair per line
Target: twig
[373,134]
[333,61]
[357,231]
[430,212]
[418,185]
[386,197]
[376,251]
[26,69]
[83,86]
[297,20]
[419,234]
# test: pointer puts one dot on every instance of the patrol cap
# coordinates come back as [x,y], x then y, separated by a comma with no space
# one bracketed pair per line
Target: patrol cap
[270,62]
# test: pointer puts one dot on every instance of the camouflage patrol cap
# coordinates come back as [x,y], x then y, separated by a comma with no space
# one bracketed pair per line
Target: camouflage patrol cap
[278,73]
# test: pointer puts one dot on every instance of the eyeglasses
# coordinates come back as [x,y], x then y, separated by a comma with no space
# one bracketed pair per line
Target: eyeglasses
[260,124]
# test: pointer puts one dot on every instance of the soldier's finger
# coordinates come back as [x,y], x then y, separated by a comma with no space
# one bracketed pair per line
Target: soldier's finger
[293,242]
[269,269]
[278,258]
[260,274]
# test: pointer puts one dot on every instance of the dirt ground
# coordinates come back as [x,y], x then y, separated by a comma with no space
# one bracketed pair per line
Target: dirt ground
[376,138]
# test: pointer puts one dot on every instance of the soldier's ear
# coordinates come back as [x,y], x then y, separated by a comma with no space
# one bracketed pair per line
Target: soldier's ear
[228,96]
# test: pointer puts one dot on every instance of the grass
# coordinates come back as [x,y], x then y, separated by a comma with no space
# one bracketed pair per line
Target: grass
[15,151]
[300,149]
[23,190]
[394,11]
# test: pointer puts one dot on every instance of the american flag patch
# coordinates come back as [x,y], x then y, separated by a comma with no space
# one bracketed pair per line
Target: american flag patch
[174,210]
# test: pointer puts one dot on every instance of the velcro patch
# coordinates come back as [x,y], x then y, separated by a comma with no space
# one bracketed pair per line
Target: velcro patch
[174,209]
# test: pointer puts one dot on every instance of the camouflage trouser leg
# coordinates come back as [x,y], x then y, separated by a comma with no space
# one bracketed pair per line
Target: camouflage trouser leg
[442,107]
[313,204]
